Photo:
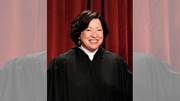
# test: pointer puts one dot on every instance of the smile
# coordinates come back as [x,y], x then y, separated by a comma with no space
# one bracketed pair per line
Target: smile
[93,41]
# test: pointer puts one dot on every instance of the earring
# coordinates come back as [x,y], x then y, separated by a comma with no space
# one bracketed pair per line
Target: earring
[79,41]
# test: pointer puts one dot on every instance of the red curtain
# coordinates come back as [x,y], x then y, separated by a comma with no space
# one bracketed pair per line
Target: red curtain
[117,13]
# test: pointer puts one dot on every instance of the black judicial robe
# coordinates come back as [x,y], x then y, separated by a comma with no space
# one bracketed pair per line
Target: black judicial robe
[74,77]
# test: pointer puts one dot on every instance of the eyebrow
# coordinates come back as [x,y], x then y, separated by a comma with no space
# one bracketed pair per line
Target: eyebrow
[96,27]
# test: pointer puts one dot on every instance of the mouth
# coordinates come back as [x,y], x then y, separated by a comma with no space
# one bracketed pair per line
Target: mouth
[93,40]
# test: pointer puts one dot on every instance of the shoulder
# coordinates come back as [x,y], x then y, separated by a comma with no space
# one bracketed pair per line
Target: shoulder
[110,55]
[62,58]
[115,58]
[66,56]
[28,61]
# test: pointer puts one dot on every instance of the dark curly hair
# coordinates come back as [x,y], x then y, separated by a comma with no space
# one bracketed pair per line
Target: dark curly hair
[81,22]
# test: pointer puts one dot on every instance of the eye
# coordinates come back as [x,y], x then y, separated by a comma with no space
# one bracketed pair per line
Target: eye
[99,30]
[88,30]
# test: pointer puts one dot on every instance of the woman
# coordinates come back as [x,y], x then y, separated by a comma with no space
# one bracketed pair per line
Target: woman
[88,72]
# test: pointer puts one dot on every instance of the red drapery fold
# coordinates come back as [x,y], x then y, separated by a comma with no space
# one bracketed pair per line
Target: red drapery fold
[117,13]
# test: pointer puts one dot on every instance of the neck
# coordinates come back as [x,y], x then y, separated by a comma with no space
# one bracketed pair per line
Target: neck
[87,50]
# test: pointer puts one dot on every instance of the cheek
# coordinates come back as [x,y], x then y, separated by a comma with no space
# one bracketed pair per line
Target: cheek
[83,37]
[101,36]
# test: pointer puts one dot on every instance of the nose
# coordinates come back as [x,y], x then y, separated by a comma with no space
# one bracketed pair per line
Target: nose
[94,34]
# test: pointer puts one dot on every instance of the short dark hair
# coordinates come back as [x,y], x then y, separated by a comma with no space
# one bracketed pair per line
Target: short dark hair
[81,22]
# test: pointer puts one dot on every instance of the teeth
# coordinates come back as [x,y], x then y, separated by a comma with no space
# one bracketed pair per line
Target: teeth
[93,40]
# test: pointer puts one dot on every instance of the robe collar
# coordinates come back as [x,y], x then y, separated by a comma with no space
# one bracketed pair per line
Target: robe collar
[89,53]
[98,54]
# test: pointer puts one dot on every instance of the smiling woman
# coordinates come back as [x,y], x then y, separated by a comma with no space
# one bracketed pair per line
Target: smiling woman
[89,72]
[92,36]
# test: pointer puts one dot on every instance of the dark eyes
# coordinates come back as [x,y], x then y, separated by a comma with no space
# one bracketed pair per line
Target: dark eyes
[88,30]
[99,30]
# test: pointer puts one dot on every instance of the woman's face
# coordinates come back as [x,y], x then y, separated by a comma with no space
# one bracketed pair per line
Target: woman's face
[92,37]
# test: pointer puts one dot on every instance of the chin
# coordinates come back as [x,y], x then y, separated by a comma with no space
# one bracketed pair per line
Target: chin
[93,48]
